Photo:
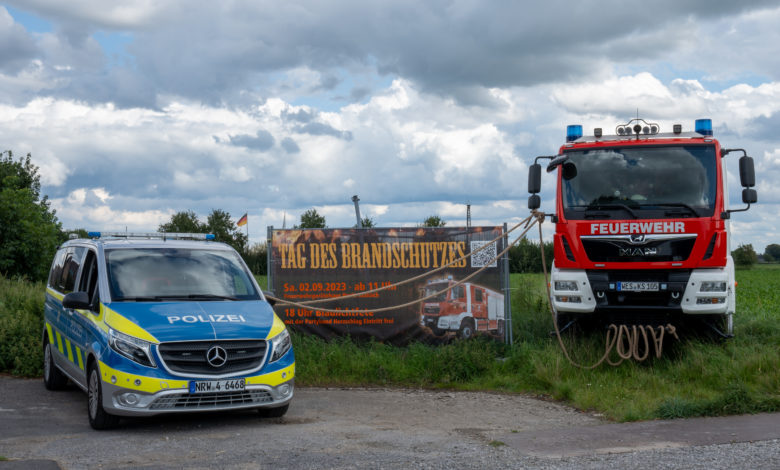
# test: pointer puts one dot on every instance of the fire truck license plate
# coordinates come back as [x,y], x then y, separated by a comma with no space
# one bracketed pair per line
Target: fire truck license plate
[638,286]
[217,386]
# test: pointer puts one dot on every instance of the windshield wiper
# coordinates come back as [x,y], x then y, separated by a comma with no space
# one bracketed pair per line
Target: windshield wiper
[612,205]
[672,204]
[208,297]
[137,299]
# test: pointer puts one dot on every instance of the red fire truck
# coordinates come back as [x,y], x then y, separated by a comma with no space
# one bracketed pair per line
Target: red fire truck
[642,226]
[465,308]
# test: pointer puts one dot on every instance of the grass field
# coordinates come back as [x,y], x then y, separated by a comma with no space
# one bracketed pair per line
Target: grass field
[694,378]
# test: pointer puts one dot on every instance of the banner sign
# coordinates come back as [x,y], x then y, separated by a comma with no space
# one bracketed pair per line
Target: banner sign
[314,264]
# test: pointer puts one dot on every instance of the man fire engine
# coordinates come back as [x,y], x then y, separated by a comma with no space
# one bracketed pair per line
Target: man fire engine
[642,226]
[464,308]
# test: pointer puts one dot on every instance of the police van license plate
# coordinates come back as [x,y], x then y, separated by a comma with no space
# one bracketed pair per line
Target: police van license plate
[637,286]
[217,386]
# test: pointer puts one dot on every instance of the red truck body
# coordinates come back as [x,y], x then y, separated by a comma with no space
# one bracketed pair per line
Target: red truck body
[642,226]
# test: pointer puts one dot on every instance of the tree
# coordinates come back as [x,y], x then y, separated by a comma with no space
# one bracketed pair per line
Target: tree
[29,229]
[434,221]
[772,252]
[744,256]
[311,219]
[367,222]
[225,230]
[183,222]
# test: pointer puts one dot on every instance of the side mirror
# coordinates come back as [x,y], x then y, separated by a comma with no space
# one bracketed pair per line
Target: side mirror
[268,299]
[534,178]
[569,171]
[559,160]
[749,196]
[76,300]
[747,175]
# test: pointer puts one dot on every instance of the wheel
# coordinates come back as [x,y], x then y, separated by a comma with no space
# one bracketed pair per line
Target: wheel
[98,418]
[466,329]
[277,412]
[53,378]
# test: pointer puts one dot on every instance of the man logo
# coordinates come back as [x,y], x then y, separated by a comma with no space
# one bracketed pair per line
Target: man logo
[637,239]
[216,356]
[638,251]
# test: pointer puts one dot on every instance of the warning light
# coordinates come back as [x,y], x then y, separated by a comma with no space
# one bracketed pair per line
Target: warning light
[704,126]
[573,132]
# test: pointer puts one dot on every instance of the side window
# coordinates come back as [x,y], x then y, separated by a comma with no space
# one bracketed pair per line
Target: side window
[56,268]
[458,292]
[478,295]
[70,268]
[89,277]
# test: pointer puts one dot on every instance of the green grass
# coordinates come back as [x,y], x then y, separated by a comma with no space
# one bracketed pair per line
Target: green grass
[696,377]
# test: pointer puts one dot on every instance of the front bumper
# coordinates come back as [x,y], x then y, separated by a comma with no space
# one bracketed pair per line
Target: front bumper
[131,395]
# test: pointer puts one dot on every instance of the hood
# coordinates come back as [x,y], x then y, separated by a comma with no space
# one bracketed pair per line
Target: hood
[191,321]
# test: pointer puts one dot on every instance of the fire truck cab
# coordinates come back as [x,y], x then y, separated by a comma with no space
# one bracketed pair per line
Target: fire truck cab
[642,225]
[465,308]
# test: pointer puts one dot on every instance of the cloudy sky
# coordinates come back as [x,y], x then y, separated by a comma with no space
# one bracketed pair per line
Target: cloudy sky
[134,110]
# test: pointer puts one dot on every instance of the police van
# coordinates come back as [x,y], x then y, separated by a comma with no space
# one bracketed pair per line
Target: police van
[162,323]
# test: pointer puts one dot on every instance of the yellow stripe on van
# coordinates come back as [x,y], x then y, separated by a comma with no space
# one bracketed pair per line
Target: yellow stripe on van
[81,360]
[139,382]
[59,342]
[274,378]
[122,324]
[70,353]
[276,328]
[54,294]
[51,335]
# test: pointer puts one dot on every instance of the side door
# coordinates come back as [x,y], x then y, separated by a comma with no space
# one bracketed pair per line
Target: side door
[86,319]
[68,335]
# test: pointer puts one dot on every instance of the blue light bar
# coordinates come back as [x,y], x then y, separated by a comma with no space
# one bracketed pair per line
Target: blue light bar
[573,132]
[154,235]
[704,126]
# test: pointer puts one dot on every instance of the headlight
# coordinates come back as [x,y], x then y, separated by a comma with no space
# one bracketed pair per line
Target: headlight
[134,349]
[566,285]
[713,286]
[280,344]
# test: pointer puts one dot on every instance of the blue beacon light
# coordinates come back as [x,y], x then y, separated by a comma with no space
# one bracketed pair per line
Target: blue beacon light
[704,126]
[574,132]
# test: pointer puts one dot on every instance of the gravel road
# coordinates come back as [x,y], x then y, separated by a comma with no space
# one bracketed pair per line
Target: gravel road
[374,428]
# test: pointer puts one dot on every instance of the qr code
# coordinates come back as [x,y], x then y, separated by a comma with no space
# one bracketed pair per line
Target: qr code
[482,258]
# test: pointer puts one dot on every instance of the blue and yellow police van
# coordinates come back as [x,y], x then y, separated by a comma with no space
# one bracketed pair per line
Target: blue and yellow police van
[162,323]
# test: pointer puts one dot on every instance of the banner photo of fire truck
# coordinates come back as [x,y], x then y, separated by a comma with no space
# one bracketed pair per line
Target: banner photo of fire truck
[310,264]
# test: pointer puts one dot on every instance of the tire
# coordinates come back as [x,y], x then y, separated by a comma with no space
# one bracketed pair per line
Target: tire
[277,412]
[98,418]
[466,329]
[53,378]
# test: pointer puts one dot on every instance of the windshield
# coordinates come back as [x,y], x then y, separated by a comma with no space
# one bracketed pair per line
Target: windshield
[640,182]
[431,289]
[152,274]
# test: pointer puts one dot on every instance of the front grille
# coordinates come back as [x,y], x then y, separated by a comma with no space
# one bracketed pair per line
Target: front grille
[189,357]
[431,309]
[182,401]
[618,251]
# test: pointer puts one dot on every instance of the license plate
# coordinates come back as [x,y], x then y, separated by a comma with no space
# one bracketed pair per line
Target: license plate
[217,386]
[638,286]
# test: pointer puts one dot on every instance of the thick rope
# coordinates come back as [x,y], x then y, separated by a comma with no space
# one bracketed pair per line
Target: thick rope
[625,342]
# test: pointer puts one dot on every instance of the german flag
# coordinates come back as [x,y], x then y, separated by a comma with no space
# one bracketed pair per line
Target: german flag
[241,221]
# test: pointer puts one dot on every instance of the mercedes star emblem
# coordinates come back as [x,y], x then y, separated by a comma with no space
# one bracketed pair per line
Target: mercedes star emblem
[217,356]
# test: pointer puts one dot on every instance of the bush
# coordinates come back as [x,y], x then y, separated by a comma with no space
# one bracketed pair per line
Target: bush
[21,326]
[745,256]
